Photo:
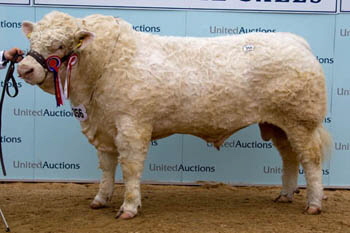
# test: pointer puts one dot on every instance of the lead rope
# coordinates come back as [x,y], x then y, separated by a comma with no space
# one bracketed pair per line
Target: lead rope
[8,78]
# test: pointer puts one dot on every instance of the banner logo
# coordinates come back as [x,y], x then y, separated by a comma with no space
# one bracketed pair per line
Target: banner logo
[180,168]
[10,24]
[279,170]
[237,30]
[345,32]
[42,113]
[46,165]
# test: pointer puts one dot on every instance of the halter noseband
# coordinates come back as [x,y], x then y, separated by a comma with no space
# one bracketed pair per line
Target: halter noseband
[38,57]
[42,61]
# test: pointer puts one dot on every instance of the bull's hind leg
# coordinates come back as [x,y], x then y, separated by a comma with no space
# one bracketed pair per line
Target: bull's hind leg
[308,145]
[108,164]
[290,167]
[289,158]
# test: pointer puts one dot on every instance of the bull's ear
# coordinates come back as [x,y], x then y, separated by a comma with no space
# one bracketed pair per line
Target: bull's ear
[83,38]
[27,28]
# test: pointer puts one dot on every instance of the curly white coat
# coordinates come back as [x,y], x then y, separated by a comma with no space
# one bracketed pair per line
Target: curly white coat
[137,87]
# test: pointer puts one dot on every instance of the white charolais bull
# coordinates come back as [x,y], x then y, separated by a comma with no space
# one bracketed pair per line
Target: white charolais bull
[136,87]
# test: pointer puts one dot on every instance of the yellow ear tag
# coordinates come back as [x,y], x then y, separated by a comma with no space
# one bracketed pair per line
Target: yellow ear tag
[79,44]
[28,35]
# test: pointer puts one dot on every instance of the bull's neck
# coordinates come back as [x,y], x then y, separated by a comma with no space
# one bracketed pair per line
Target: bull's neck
[94,61]
[84,76]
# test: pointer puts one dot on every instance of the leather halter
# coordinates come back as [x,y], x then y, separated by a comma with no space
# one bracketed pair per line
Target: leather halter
[42,61]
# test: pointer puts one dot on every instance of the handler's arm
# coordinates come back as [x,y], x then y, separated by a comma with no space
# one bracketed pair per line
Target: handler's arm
[3,61]
[14,54]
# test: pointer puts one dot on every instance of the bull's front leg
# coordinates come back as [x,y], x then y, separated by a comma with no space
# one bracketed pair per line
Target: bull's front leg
[108,163]
[132,142]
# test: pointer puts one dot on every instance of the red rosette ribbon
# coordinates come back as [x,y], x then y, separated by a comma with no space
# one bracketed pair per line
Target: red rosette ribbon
[73,59]
[53,64]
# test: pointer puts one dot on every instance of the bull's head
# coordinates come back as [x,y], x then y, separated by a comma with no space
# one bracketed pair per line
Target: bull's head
[57,34]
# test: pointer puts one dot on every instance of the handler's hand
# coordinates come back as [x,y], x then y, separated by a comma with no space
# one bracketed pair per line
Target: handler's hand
[10,54]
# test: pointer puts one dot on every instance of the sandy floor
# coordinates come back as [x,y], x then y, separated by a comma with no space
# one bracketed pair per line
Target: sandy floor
[57,207]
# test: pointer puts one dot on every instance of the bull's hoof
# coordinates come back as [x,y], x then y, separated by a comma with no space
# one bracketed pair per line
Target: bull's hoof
[125,214]
[283,199]
[311,210]
[97,204]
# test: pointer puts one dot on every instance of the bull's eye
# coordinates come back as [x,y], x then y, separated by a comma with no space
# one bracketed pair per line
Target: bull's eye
[56,46]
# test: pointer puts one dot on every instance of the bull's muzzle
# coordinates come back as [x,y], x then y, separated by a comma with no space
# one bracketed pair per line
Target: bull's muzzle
[25,71]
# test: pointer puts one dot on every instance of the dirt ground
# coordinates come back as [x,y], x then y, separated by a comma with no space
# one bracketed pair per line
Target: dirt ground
[64,207]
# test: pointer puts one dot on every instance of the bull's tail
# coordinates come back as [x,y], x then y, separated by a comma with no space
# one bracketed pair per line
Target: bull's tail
[325,142]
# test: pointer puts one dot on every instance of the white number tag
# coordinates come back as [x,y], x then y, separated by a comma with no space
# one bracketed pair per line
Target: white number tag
[248,48]
[80,112]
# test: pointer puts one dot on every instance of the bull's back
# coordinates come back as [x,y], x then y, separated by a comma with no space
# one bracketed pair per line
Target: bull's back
[228,83]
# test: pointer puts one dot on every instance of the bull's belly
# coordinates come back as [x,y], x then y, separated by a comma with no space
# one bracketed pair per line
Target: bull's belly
[213,130]
[211,134]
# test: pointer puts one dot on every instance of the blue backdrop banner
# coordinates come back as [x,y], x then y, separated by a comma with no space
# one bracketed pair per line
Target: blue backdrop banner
[43,143]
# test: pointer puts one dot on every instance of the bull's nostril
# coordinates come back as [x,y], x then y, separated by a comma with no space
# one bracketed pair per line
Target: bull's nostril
[29,71]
